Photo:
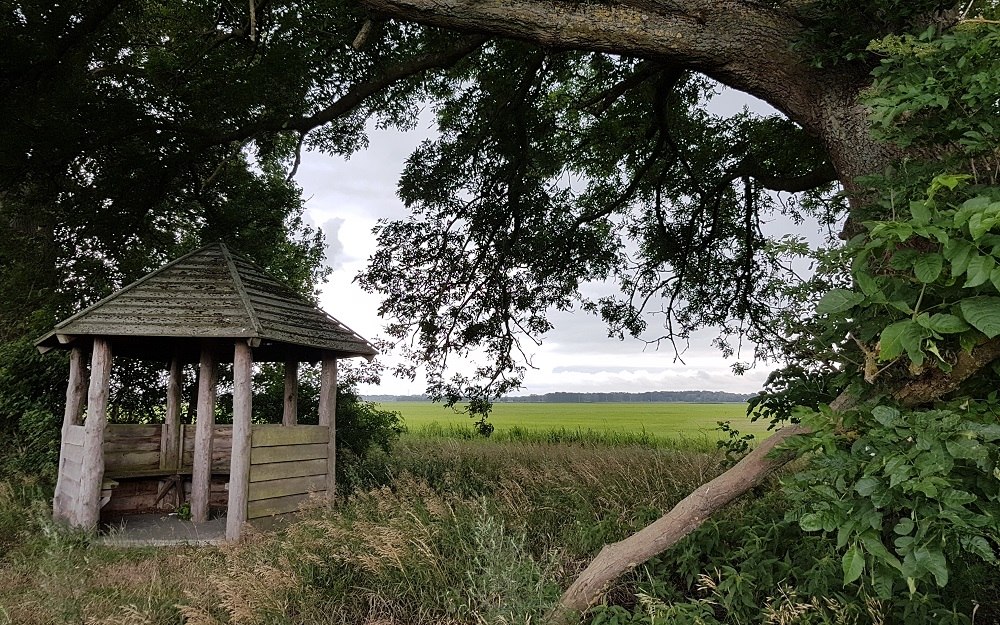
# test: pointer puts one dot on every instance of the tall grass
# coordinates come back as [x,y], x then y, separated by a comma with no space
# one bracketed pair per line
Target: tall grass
[452,532]
[481,531]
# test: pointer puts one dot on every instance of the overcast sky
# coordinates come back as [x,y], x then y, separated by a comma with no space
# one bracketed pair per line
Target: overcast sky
[347,197]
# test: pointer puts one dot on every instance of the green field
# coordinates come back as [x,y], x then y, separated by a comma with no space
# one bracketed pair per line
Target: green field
[661,420]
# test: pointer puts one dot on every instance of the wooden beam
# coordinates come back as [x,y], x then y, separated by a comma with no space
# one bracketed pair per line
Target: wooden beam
[170,446]
[328,417]
[201,476]
[239,464]
[290,415]
[76,390]
[88,505]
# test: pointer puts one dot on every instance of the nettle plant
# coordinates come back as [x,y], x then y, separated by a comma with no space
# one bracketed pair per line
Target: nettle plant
[912,495]
[908,491]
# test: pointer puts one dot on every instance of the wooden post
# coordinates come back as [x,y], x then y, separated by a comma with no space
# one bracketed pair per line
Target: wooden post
[88,504]
[239,464]
[170,441]
[68,485]
[291,412]
[201,474]
[328,417]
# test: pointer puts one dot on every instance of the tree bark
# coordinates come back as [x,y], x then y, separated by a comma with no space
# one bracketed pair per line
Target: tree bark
[747,46]
[201,474]
[684,518]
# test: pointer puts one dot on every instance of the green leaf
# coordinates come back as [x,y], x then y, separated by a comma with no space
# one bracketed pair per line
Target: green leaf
[928,267]
[943,323]
[979,546]
[980,224]
[866,486]
[886,415]
[932,561]
[904,527]
[811,522]
[838,300]
[958,252]
[853,564]
[921,211]
[983,313]
[903,335]
[979,270]
[874,546]
[995,278]
[903,259]
[890,344]
[868,286]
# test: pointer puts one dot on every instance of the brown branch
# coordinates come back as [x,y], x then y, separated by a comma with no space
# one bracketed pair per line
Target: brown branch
[359,92]
[696,508]
[617,558]
[936,383]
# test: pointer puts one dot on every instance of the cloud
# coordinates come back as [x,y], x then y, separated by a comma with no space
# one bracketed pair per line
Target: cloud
[348,197]
[335,256]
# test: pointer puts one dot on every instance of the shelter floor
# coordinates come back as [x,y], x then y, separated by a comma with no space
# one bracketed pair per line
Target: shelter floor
[162,530]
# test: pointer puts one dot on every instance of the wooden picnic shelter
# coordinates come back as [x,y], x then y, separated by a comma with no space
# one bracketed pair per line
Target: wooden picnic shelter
[208,307]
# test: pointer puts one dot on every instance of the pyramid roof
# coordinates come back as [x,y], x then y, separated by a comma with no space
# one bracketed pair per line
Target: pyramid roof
[202,298]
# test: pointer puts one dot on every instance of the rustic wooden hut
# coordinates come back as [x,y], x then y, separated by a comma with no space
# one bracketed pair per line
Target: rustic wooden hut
[207,307]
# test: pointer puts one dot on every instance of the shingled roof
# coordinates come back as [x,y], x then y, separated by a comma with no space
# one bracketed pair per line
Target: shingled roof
[210,294]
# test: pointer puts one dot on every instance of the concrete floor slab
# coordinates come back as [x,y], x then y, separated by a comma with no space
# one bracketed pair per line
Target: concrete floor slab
[162,530]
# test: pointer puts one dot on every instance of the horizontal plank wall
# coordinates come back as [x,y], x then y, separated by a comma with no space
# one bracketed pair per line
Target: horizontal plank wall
[222,447]
[134,450]
[131,449]
[287,468]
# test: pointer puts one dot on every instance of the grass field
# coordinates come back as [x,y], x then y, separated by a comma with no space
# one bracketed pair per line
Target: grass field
[661,420]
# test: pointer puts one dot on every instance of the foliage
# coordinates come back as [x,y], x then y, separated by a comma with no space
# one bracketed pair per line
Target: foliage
[911,493]
[612,172]
[905,492]
[124,151]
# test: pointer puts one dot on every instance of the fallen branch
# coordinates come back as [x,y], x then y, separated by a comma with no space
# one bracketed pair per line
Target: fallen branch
[618,558]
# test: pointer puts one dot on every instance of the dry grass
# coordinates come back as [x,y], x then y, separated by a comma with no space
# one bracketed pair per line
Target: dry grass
[467,532]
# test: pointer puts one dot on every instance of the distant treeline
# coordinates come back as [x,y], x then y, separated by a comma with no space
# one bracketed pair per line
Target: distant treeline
[692,397]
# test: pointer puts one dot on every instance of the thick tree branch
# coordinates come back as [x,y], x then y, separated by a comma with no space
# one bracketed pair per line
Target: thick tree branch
[618,558]
[359,92]
[936,383]
[744,45]
[668,530]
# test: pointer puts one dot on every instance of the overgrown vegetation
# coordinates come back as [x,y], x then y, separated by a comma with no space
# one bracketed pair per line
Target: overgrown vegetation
[468,532]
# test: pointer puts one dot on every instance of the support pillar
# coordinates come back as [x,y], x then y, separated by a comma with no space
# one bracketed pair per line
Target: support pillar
[67,485]
[88,505]
[201,475]
[328,417]
[170,444]
[290,416]
[239,466]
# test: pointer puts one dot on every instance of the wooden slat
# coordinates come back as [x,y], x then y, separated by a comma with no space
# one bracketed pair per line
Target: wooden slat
[131,430]
[73,452]
[139,444]
[282,505]
[287,453]
[70,471]
[74,435]
[290,486]
[271,435]
[132,459]
[280,470]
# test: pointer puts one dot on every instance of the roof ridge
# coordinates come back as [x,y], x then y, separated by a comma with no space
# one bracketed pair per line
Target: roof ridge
[240,290]
[132,285]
